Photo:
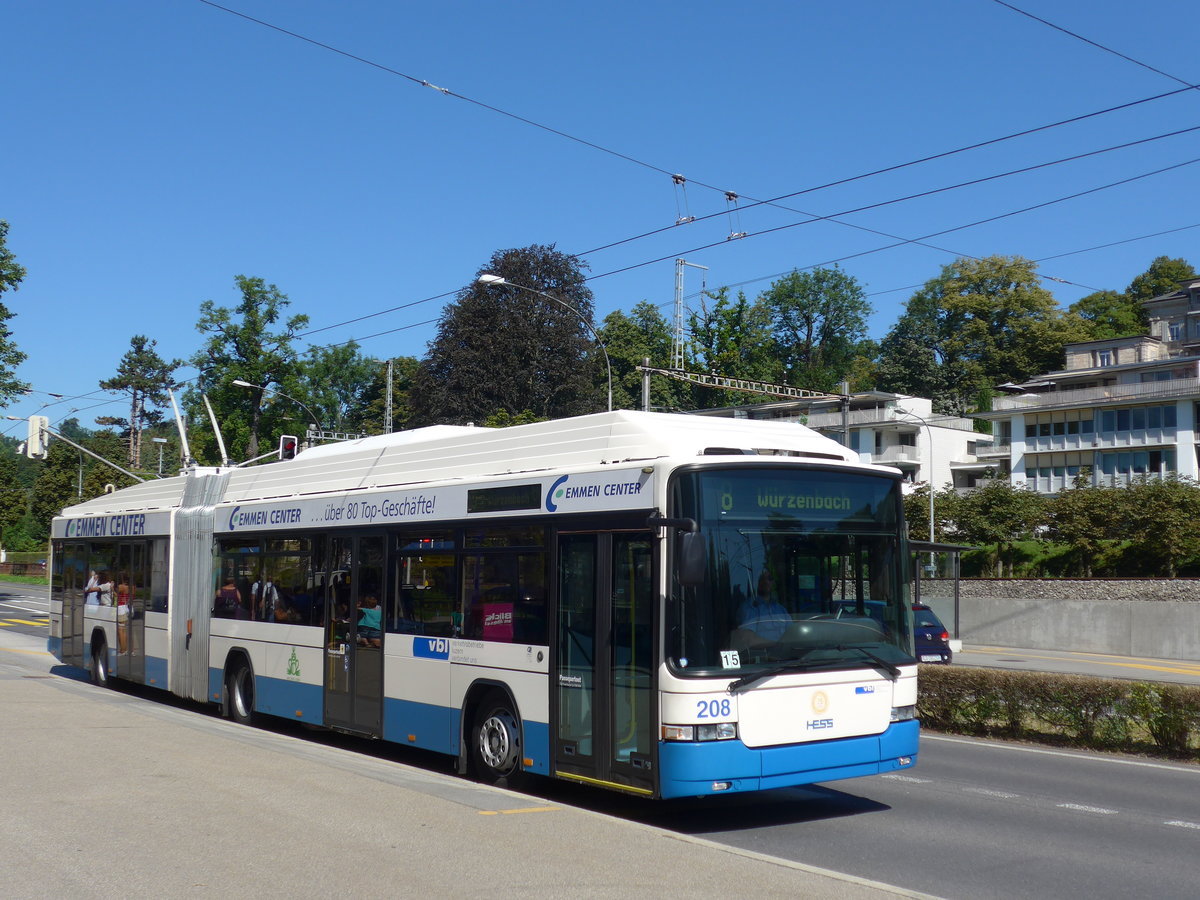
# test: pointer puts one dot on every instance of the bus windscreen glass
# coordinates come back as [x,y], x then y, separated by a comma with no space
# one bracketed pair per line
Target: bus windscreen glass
[805,571]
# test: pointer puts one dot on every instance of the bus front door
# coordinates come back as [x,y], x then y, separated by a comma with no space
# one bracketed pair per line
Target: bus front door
[354,600]
[602,684]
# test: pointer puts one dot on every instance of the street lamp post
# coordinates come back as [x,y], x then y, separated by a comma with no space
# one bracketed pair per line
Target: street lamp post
[929,429]
[160,442]
[316,423]
[497,279]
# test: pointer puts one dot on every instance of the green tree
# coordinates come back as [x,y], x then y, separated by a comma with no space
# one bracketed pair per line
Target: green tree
[1162,277]
[997,515]
[1109,314]
[643,334]
[1084,517]
[334,380]
[372,413]
[505,348]
[252,342]
[988,321]
[146,377]
[819,325]
[11,276]
[1159,521]
[730,338]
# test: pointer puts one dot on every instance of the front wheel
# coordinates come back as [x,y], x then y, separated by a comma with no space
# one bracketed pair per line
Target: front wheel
[241,694]
[496,742]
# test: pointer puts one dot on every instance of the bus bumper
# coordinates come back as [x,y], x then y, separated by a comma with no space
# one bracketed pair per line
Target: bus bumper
[722,767]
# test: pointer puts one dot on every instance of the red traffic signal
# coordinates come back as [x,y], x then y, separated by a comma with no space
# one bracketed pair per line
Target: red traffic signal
[288,444]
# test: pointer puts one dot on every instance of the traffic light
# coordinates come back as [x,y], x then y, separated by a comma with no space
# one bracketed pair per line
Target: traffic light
[35,444]
[287,446]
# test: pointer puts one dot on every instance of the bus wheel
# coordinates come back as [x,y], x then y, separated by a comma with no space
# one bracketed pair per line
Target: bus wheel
[496,742]
[241,694]
[99,671]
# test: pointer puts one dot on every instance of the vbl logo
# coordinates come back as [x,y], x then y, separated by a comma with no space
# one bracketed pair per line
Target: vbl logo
[431,648]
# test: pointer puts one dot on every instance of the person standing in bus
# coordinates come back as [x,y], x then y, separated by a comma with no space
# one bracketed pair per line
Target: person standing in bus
[91,593]
[265,597]
[104,589]
[124,600]
[229,600]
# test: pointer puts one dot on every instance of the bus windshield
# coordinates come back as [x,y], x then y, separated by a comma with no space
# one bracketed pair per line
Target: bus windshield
[805,572]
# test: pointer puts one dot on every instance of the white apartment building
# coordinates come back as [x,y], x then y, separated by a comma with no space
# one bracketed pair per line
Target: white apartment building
[889,429]
[1121,408]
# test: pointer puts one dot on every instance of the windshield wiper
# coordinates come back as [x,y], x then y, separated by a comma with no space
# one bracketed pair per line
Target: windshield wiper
[880,663]
[782,668]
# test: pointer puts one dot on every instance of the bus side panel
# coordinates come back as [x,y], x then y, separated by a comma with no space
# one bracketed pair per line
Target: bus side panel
[286,661]
[157,647]
[417,708]
[529,689]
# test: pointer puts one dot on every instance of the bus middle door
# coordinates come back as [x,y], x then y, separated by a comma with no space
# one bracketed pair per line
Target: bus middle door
[603,677]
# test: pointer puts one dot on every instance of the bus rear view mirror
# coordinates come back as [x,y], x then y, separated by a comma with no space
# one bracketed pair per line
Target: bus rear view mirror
[691,562]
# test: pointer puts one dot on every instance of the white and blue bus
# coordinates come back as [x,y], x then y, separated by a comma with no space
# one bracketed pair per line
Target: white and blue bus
[659,604]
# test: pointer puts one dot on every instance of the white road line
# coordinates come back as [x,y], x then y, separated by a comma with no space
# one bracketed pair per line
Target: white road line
[988,792]
[1079,756]
[1181,824]
[1077,807]
[908,779]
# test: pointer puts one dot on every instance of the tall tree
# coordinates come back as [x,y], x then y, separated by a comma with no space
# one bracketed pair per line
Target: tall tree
[146,377]
[372,413]
[988,321]
[819,323]
[643,334]
[252,342]
[508,348]
[11,276]
[334,380]
[997,514]
[1160,516]
[730,338]
[1162,277]
[1109,314]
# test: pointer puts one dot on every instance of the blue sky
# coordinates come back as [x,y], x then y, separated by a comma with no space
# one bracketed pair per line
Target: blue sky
[156,149]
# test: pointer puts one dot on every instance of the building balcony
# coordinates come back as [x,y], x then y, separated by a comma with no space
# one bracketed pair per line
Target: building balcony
[993,450]
[1148,391]
[892,456]
[882,416]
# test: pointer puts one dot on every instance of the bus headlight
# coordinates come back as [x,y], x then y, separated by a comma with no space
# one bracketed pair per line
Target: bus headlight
[903,713]
[724,731]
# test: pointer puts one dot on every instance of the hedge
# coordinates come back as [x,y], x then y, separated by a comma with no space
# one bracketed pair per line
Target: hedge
[1072,710]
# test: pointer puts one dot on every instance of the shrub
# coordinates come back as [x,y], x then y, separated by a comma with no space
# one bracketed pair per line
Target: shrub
[1097,713]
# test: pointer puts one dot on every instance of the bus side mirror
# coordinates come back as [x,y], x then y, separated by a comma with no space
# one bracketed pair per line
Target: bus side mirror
[691,562]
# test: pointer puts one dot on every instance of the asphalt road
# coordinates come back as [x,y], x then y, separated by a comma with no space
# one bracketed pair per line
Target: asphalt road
[24,609]
[978,819]
[1099,664]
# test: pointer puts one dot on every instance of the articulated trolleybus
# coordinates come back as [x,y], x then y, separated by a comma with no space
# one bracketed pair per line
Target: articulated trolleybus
[660,604]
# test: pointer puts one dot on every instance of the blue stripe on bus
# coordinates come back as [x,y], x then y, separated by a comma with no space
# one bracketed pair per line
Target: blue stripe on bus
[690,769]
[156,672]
[54,647]
[278,697]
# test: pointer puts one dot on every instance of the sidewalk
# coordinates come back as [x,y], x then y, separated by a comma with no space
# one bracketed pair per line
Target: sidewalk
[109,795]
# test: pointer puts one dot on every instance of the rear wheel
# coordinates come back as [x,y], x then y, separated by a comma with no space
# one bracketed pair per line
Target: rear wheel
[99,670]
[496,742]
[241,694]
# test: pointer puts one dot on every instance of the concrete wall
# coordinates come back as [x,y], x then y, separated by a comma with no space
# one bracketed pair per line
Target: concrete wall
[1128,617]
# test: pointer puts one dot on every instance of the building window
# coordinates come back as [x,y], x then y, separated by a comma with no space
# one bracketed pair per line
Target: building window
[1175,331]
[1105,358]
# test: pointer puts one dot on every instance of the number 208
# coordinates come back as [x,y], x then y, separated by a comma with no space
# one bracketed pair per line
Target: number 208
[713,709]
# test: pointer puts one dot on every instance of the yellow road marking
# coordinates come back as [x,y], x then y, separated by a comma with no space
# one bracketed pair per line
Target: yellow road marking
[513,812]
[23,622]
[30,652]
[1193,669]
